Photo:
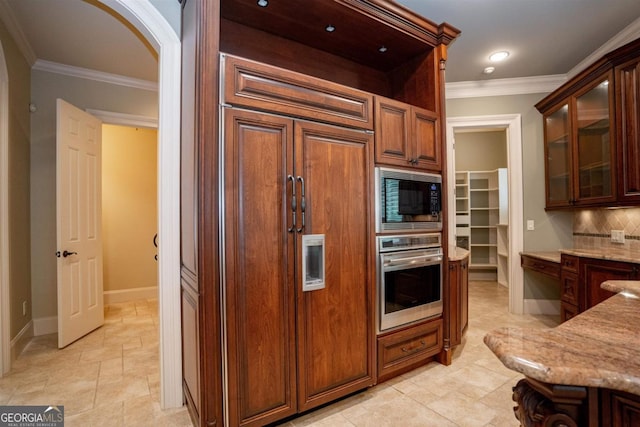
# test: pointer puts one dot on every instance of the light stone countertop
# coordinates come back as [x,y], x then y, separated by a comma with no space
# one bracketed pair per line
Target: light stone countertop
[597,348]
[613,254]
[552,256]
[457,254]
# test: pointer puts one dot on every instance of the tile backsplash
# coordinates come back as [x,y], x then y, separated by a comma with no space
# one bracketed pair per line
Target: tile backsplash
[592,228]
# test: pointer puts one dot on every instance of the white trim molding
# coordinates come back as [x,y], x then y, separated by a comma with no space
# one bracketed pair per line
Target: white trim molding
[5,260]
[512,124]
[45,325]
[123,119]
[99,76]
[501,87]
[20,341]
[628,34]
[148,20]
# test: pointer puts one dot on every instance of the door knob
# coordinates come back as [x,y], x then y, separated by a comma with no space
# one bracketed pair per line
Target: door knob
[66,254]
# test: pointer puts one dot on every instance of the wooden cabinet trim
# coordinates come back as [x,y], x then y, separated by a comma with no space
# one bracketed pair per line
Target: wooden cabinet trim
[265,87]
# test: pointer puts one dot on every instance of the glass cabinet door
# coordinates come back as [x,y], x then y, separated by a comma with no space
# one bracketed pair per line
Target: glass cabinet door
[558,156]
[593,126]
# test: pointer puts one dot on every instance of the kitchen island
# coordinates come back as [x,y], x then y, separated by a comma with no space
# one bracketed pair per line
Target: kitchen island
[584,372]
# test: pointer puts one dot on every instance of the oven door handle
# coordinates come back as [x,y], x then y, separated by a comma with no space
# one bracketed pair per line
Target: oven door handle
[416,261]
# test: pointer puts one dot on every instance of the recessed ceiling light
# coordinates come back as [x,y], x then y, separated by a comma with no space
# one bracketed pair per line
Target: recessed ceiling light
[498,56]
[329,28]
[263,3]
[382,49]
[489,70]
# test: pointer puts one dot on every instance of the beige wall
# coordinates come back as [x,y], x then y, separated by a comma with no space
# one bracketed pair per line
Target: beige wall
[83,93]
[19,233]
[129,207]
[553,230]
[481,151]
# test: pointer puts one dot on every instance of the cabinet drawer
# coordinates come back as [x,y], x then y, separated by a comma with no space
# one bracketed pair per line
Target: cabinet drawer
[268,88]
[403,349]
[549,268]
[567,311]
[569,290]
[569,263]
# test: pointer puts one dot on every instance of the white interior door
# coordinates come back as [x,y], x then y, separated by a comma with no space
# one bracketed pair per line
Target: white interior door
[79,223]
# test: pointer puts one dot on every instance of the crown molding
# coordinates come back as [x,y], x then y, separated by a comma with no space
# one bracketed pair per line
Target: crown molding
[100,76]
[502,87]
[9,19]
[123,119]
[628,34]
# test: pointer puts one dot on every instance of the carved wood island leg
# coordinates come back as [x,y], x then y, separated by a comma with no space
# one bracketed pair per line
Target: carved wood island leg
[553,405]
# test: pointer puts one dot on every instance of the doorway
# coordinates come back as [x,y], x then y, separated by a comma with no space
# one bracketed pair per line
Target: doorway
[159,33]
[510,124]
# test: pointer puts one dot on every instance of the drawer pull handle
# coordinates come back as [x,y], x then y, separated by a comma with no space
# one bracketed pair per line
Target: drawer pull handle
[415,349]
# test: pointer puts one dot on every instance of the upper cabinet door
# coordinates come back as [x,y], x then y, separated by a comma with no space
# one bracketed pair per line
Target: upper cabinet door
[392,124]
[426,135]
[557,131]
[407,136]
[628,118]
[594,160]
[580,148]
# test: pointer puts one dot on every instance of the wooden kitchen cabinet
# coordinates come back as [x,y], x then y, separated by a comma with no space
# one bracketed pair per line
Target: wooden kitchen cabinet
[407,136]
[592,134]
[627,84]
[593,272]
[403,350]
[580,280]
[290,350]
[620,409]
[255,348]
[570,290]
[579,157]
[458,300]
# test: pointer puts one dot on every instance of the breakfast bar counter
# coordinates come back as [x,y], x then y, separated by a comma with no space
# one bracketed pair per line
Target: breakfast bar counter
[582,372]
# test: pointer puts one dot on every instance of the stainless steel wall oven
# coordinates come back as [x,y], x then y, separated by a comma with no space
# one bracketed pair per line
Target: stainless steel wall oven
[409,279]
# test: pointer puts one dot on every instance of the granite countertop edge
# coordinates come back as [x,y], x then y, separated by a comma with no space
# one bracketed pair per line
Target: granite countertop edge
[611,254]
[597,348]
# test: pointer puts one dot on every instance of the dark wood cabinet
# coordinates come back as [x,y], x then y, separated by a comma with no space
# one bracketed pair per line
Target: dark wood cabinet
[458,300]
[289,350]
[407,136]
[592,134]
[579,152]
[627,90]
[580,281]
[255,347]
[620,409]
[408,348]
[595,271]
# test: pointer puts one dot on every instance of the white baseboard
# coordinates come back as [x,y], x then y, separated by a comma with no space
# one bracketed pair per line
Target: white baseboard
[542,306]
[133,294]
[20,341]
[45,326]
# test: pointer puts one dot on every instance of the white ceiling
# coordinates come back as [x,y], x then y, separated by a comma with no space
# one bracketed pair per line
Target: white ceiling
[545,37]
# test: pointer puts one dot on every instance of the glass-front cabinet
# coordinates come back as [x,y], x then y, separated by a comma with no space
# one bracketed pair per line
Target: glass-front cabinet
[558,156]
[579,157]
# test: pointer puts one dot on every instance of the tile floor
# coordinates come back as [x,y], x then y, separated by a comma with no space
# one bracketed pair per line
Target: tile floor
[475,390]
[110,377]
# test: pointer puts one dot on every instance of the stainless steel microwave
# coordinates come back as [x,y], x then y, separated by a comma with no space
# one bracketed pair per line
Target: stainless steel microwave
[407,201]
